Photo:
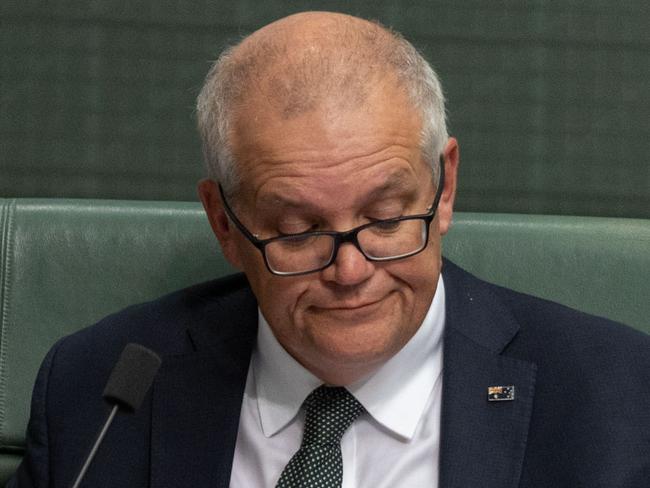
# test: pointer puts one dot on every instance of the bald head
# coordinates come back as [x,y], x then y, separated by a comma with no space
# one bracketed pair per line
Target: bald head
[306,62]
[299,62]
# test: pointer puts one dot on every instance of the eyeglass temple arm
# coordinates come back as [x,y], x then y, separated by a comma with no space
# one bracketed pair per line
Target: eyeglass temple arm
[441,185]
[231,215]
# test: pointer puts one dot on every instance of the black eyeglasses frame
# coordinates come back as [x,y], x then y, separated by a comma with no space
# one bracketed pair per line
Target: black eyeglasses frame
[340,238]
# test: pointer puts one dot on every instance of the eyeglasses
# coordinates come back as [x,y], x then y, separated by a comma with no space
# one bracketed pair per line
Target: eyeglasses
[380,240]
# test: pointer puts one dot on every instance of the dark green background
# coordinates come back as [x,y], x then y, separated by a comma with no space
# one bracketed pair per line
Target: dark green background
[549,99]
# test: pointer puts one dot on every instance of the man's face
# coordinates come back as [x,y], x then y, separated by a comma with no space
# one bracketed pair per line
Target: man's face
[335,169]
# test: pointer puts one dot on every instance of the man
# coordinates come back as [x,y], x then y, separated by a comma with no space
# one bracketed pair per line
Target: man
[331,182]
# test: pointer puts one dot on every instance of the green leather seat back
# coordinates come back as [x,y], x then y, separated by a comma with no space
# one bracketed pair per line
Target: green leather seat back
[595,264]
[67,263]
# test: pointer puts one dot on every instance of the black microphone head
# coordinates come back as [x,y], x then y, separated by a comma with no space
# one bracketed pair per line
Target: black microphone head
[131,377]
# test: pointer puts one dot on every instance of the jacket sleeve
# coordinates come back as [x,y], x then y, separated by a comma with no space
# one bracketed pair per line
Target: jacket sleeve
[34,469]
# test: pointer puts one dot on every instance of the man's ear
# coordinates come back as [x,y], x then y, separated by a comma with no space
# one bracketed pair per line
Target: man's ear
[225,232]
[446,206]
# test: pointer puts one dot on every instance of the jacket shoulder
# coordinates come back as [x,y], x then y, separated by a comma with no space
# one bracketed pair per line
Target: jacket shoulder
[162,324]
[542,321]
[572,332]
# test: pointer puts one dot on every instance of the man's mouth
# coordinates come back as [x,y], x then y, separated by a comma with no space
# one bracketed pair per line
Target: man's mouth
[343,306]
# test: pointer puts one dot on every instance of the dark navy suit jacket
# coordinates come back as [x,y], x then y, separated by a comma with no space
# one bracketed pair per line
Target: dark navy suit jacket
[580,417]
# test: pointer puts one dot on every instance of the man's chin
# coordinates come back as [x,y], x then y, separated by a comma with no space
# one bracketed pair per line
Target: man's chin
[343,363]
[358,343]
[351,341]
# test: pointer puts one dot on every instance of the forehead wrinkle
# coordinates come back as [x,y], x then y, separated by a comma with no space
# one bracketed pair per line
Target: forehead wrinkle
[299,162]
[323,147]
[398,182]
[277,170]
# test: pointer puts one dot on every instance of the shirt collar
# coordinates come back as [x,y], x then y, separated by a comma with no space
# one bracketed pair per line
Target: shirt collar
[281,383]
[395,395]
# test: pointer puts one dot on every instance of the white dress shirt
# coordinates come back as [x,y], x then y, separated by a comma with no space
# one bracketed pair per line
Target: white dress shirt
[395,444]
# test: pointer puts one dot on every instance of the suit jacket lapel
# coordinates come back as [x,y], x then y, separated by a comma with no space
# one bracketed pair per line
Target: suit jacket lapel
[197,399]
[482,443]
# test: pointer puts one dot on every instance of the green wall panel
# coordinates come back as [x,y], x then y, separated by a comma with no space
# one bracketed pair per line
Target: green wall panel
[549,100]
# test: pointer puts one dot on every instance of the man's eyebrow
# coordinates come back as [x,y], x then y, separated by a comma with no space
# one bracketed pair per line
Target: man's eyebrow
[275,199]
[398,182]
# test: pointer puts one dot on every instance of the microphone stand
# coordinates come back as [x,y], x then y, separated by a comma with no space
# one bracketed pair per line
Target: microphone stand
[93,451]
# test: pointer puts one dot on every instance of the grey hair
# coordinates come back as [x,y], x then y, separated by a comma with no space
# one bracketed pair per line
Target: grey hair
[231,74]
[214,121]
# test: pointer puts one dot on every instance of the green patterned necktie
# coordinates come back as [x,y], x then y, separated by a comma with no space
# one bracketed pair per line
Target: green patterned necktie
[318,463]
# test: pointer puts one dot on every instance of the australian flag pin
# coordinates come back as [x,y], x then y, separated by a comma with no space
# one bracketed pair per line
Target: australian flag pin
[501,393]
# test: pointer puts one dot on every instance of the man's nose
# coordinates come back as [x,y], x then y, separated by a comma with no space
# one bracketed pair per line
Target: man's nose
[350,266]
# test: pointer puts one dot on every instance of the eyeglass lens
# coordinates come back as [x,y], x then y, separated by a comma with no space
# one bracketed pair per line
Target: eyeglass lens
[385,240]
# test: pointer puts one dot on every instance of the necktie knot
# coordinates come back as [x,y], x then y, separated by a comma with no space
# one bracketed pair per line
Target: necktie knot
[330,411]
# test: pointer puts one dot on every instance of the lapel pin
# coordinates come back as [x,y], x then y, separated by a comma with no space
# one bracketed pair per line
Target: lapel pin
[501,393]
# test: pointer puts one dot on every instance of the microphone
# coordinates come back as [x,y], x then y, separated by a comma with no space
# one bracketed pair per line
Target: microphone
[126,388]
